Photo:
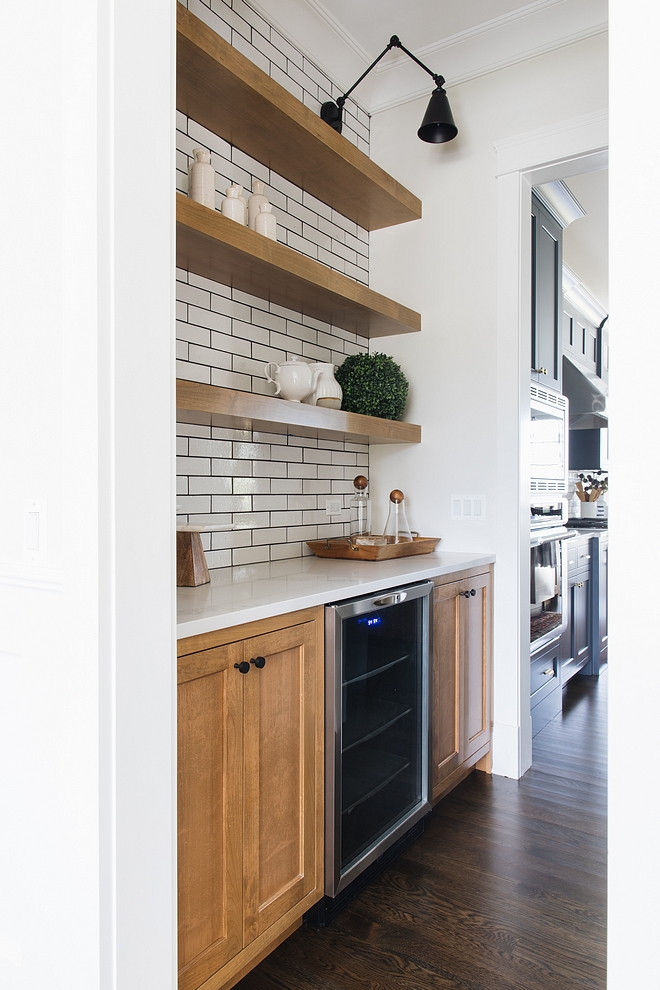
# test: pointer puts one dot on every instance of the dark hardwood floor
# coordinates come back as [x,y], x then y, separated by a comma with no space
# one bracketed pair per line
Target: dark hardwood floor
[505,890]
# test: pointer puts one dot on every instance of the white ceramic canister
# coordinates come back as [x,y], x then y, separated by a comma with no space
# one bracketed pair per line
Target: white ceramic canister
[265,222]
[233,205]
[293,379]
[255,201]
[201,178]
[327,391]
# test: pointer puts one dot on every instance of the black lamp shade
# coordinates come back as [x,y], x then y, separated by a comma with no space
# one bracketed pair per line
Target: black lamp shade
[438,125]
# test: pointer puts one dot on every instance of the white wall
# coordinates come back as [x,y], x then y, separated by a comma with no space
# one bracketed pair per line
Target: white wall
[446,265]
[86,629]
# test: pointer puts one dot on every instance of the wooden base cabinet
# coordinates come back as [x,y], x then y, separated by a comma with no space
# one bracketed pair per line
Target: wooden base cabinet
[250,801]
[461,680]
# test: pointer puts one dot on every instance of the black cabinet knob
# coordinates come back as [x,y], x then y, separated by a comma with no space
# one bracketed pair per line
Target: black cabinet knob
[243,666]
[466,594]
[259,662]
[473,592]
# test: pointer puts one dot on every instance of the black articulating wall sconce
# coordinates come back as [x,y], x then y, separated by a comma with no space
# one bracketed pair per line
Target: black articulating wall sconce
[438,125]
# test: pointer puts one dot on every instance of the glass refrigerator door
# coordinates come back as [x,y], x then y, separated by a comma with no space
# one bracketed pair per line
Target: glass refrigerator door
[381,727]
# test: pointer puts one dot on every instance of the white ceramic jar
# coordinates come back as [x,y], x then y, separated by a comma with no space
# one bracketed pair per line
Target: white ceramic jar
[327,390]
[201,178]
[265,222]
[233,205]
[293,379]
[255,201]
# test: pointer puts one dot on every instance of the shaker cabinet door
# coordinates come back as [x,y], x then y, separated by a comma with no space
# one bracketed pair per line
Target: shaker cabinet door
[476,713]
[547,296]
[210,797]
[283,731]
[446,698]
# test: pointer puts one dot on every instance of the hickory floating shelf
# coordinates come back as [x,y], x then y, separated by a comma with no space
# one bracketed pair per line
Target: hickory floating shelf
[251,411]
[227,93]
[218,248]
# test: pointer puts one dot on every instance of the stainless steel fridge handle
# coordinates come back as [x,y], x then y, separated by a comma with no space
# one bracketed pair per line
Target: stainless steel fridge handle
[400,596]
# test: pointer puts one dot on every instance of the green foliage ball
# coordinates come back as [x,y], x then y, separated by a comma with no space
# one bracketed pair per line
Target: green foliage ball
[373,385]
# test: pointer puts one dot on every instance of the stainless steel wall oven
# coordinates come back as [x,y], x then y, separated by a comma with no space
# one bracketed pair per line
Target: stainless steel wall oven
[548,574]
[377,726]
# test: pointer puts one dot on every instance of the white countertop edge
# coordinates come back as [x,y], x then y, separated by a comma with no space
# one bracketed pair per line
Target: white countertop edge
[246,594]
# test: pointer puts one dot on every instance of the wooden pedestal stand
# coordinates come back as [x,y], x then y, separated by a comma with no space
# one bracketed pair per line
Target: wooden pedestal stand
[191,569]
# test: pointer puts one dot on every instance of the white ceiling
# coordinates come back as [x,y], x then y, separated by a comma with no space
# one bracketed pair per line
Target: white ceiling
[586,239]
[461,39]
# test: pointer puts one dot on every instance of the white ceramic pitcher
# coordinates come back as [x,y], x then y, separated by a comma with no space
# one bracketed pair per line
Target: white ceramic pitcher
[327,390]
[293,379]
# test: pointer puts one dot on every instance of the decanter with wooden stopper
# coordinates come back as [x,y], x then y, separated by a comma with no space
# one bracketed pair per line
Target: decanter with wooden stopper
[360,506]
[397,529]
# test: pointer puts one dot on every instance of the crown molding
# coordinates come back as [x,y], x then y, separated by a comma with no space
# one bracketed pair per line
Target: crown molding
[560,201]
[580,297]
[535,30]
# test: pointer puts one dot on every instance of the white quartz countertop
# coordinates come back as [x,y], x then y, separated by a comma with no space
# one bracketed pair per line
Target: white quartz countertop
[258,591]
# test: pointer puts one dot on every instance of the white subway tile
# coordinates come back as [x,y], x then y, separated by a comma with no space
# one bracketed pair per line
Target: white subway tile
[315,487]
[272,54]
[316,456]
[209,486]
[268,320]
[227,541]
[232,345]
[290,454]
[208,140]
[230,467]
[209,356]
[250,520]
[192,294]
[252,486]
[209,448]
[315,353]
[228,307]
[285,551]
[218,558]
[182,350]
[206,318]
[302,533]
[291,53]
[305,470]
[314,204]
[286,486]
[229,379]
[284,186]
[301,502]
[269,503]
[331,260]
[232,503]
[202,11]
[193,372]
[193,504]
[252,451]
[182,485]
[249,555]
[250,165]
[193,465]
[251,16]
[208,283]
[269,469]
[272,537]
[286,518]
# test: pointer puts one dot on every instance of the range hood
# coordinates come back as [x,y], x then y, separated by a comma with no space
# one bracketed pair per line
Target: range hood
[586,402]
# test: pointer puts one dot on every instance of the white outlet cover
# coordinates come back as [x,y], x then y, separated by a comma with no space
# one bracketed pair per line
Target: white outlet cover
[333,506]
[468,507]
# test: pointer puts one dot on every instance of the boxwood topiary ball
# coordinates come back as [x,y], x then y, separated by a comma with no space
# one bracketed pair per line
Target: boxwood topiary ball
[373,385]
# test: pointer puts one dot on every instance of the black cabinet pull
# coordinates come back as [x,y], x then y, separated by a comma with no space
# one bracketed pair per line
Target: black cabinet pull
[259,662]
[466,594]
[243,666]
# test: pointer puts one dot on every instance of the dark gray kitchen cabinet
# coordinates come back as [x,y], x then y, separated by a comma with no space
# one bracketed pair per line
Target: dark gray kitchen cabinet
[545,686]
[576,642]
[547,311]
[598,618]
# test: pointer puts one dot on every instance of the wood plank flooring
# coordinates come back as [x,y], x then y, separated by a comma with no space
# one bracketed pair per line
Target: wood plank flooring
[505,890]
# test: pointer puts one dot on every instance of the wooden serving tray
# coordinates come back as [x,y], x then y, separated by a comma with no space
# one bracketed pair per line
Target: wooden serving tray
[345,548]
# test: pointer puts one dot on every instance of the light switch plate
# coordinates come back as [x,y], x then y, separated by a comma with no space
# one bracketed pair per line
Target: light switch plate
[34,530]
[333,506]
[468,507]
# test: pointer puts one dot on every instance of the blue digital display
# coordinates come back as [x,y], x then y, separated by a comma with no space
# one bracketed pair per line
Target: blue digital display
[370,621]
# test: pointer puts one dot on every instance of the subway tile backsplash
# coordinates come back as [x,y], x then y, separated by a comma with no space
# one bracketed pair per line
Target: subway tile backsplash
[271,487]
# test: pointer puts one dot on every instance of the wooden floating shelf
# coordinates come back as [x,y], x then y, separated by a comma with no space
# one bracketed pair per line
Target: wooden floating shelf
[221,249]
[227,93]
[251,411]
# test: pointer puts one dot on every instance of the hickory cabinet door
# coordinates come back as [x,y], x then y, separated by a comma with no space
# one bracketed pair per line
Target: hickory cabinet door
[283,735]
[446,701]
[476,671]
[210,798]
